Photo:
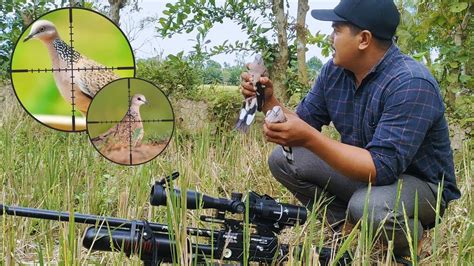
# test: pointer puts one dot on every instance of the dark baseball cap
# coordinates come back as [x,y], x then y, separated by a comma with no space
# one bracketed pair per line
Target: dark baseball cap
[380,17]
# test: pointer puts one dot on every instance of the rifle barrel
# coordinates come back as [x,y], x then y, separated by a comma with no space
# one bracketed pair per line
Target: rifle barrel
[94,219]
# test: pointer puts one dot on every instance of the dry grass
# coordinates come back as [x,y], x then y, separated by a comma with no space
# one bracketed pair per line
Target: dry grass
[53,170]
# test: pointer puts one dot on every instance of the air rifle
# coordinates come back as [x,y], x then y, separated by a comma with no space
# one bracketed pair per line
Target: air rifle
[153,243]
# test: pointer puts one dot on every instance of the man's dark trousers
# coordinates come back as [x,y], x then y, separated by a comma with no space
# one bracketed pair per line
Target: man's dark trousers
[308,177]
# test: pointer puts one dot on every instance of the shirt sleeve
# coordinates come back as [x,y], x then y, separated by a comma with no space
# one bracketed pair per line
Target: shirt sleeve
[312,109]
[408,113]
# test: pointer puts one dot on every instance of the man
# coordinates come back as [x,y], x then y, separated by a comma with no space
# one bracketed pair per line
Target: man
[390,114]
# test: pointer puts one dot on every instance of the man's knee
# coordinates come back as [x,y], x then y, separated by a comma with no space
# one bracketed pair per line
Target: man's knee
[382,210]
[379,209]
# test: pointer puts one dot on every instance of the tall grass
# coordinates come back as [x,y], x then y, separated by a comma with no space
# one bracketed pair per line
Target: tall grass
[44,168]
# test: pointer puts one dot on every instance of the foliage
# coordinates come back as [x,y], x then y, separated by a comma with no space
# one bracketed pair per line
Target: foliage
[314,65]
[212,73]
[297,90]
[190,15]
[175,75]
[232,74]
[322,41]
[15,16]
[253,16]
[223,105]
[439,33]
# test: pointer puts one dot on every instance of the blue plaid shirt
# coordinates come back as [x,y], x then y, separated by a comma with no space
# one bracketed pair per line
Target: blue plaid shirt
[397,114]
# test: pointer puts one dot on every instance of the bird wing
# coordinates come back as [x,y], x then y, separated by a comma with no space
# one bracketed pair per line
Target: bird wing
[90,81]
[106,136]
[115,134]
[137,135]
[247,114]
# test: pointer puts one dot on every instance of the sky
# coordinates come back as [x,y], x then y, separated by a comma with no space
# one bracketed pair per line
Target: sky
[147,43]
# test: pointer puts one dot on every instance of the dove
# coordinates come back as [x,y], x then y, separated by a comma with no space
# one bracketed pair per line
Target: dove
[86,83]
[128,132]
[253,104]
[276,115]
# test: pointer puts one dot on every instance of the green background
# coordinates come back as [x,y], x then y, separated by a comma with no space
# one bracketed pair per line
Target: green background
[111,104]
[94,36]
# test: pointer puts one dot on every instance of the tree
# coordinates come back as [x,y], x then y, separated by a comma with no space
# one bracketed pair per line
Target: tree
[439,33]
[314,65]
[212,73]
[280,65]
[301,40]
[234,75]
[116,6]
[267,32]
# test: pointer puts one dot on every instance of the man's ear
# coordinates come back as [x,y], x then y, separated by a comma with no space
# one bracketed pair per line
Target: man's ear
[365,39]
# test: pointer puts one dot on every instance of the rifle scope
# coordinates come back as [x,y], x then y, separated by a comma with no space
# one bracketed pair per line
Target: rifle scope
[261,208]
[267,208]
[195,200]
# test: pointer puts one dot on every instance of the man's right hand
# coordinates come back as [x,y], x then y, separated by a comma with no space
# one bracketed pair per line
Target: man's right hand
[247,89]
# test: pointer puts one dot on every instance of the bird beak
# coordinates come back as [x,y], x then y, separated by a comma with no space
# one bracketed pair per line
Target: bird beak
[145,102]
[28,37]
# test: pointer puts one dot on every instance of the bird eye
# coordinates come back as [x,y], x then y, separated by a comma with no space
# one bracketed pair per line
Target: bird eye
[139,98]
[41,29]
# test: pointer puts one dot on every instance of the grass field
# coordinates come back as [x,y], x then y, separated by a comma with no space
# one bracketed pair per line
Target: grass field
[48,169]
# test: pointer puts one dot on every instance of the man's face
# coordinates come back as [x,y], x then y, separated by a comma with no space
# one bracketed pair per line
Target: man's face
[345,45]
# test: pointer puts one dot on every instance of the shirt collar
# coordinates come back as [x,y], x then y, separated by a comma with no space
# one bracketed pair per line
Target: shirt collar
[386,59]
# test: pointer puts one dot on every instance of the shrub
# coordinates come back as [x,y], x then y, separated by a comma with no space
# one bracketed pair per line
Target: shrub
[175,75]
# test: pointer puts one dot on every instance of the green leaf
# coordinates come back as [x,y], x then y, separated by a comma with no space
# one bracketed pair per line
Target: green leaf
[465,78]
[454,64]
[458,7]
[419,56]
[452,78]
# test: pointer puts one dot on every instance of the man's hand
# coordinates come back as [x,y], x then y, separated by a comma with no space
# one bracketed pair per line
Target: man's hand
[247,89]
[293,132]
[353,162]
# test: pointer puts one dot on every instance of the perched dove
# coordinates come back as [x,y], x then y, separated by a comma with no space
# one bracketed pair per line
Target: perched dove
[276,115]
[86,82]
[253,104]
[129,131]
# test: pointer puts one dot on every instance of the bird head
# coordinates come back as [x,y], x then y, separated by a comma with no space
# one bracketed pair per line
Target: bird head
[138,99]
[43,30]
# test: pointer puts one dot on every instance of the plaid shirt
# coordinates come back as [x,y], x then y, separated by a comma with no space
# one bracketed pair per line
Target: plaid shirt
[397,114]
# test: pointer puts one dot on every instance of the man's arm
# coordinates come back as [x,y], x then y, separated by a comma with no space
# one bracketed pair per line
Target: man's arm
[409,112]
[351,161]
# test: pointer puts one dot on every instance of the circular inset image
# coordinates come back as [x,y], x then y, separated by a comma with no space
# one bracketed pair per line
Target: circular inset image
[62,60]
[130,121]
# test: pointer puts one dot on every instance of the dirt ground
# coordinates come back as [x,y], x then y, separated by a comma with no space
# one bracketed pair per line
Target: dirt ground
[140,154]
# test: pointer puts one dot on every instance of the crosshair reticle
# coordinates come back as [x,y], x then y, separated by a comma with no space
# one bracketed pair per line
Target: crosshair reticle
[130,121]
[62,60]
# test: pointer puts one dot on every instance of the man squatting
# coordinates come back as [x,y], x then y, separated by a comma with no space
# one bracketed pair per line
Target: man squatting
[389,112]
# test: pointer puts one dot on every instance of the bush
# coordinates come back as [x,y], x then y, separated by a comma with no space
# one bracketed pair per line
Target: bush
[224,105]
[175,75]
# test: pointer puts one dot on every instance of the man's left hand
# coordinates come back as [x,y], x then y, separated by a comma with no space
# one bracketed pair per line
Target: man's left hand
[294,132]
